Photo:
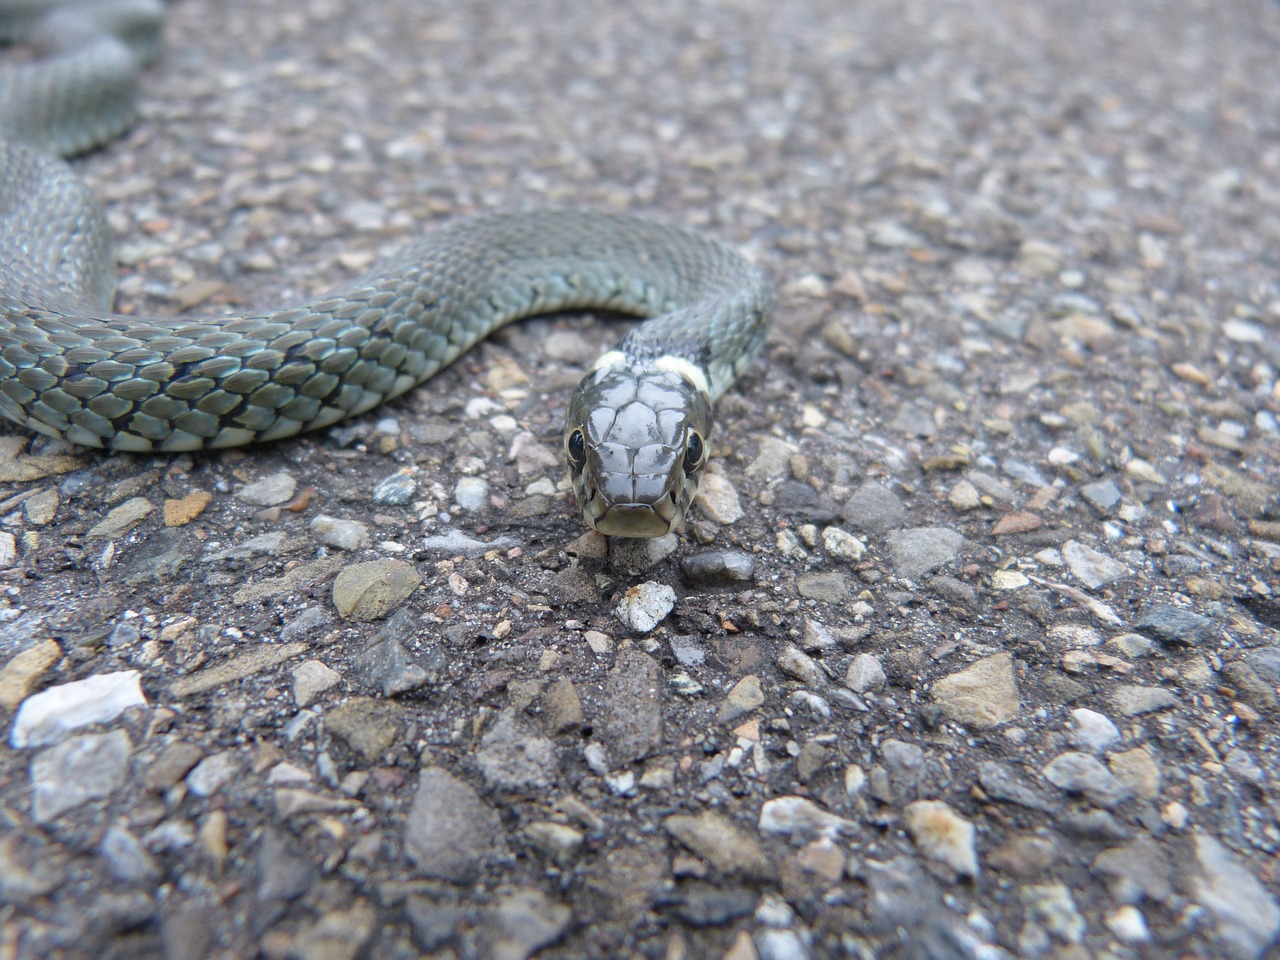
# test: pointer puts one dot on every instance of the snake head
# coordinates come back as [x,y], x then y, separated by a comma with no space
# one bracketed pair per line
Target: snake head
[636,444]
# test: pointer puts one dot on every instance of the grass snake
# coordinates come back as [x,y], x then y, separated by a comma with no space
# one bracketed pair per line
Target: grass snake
[637,426]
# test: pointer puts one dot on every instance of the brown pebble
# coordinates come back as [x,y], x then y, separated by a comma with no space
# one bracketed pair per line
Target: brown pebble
[178,513]
[1019,522]
[301,501]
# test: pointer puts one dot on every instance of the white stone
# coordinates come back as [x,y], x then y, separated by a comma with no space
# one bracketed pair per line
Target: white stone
[1093,731]
[51,715]
[1129,924]
[801,820]
[310,679]
[646,605]
[942,835]
[864,674]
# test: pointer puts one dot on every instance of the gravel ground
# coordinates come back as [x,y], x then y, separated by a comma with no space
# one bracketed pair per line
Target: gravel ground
[969,650]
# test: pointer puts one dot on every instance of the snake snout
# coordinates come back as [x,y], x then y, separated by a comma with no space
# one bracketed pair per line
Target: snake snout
[634,492]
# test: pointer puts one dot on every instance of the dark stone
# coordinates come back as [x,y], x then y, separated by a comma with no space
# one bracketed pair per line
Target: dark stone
[387,666]
[1095,825]
[956,591]
[1170,624]
[158,559]
[703,905]
[718,568]
[800,502]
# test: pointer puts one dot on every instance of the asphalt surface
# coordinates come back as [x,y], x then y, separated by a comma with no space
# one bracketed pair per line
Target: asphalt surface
[970,650]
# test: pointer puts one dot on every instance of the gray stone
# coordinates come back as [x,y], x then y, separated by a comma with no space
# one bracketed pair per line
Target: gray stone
[1102,495]
[120,520]
[798,665]
[745,696]
[212,773]
[913,421]
[451,543]
[522,922]
[629,716]
[471,493]
[310,679]
[262,545]
[284,872]
[1093,731]
[1247,915]
[126,858]
[729,849]
[1133,645]
[304,624]
[1002,783]
[269,491]
[1265,662]
[450,833]
[704,905]
[825,586]
[801,820]
[922,550]
[435,925]
[79,769]
[1138,870]
[689,651]
[785,944]
[1132,700]
[1082,773]
[873,508]
[1024,472]
[1095,570]
[1053,906]
[514,757]
[903,762]
[386,664]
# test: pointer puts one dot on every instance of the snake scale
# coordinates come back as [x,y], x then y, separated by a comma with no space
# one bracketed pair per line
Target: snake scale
[636,427]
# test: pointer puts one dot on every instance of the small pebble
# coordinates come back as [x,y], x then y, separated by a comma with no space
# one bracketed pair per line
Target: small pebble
[645,606]
[395,490]
[340,534]
[269,491]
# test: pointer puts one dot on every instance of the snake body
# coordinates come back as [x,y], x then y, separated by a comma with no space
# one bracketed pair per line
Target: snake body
[637,425]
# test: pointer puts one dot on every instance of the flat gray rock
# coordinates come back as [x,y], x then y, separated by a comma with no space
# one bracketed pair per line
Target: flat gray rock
[921,550]
[451,834]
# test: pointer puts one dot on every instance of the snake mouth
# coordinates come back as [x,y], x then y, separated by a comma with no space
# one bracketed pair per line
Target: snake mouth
[631,520]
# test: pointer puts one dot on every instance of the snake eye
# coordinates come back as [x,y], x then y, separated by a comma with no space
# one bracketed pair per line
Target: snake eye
[576,447]
[693,452]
